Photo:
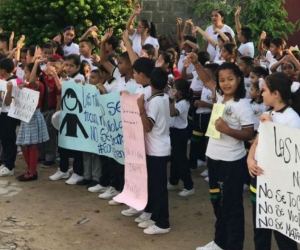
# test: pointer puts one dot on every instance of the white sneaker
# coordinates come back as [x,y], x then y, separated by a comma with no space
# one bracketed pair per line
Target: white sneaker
[4,171]
[171,187]
[143,217]
[156,230]
[97,189]
[210,246]
[146,224]
[2,166]
[59,175]
[206,179]
[74,179]
[204,173]
[201,163]
[114,203]
[109,193]
[246,187]
[186,193]
[131,212]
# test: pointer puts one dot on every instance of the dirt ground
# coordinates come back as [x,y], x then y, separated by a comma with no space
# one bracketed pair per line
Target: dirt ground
[44,215]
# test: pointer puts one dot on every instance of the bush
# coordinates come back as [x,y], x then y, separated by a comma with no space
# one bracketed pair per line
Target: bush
[43,20]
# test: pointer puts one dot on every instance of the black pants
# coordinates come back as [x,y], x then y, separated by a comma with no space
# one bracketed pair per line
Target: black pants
[226,189]
[157,190]
[179,162]
[198,139]
[8,137]
[65,154]
[116,175]
[105,173]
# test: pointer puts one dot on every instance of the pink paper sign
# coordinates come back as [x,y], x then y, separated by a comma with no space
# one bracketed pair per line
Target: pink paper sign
[135,192]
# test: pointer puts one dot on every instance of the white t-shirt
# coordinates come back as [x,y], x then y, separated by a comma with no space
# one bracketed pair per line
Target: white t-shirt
[20,72]
[158,139]
[137,42]
[247,49]
[247,82]
[111,86]
[90,62]
[218,59]
[73,48]
[78,76]
[121,82]
[196,84]
[181,60]
[258,109]
[238,115]
[273,61]
[269,58]
[180,121]
[210,31]
[146,90]
[206,96]
[5,109]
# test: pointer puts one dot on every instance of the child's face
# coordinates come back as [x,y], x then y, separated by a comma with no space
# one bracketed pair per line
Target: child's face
[160,62]
[87,70]
[254,92]
[70,67]
[138,77]
[69,35]
[94,78]
[23,58]
[47,53]
[187,48]
[3,45]
[28,57]
[243,67]
[253,77]
[274,49]
[220,43]
[84,49]
[123,65]
[143,53]
[288,69]
[228,82]
[225,54]
[268,97]
[26,74]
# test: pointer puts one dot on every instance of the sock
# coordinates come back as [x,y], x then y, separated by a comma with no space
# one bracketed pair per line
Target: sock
[33,158]
[25,152]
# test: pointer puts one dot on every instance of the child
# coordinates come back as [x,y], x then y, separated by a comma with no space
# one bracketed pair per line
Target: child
[264,50]
[22,64]
[244,35]
[71,68]
[186,48]
[66,41]
[156,121]
[226,157]
[85,50]
[179,134]
[276,94]
[258,72]
[148,51]
[245,64]
[47,51]
[229,52]
[85,70]
[8,124]
[277,47]
[35,132]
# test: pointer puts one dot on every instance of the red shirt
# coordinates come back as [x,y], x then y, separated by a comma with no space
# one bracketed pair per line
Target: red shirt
[53,92]
[39,89]
[176,73]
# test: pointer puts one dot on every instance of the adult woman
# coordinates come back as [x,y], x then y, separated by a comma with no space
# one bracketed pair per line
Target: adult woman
[217,17]
[144,34]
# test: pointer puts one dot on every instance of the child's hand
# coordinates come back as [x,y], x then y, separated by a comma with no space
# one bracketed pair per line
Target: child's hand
[108,33]
[186,63]
[221,126]
[253,169]
[188,22]
[22,85]
[263,35]
[238,11]
[179,21]
[93,29]
[125,36]
[141,103]
[9,86]
[57,38]
[265,117]
[78,81]
[137,9]
[192,57]
[41,60]
[20,42]
[95,59]
[199,103]
[12,36]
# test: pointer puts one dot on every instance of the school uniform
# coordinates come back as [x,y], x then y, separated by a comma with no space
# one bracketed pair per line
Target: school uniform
[273,61]
[71,48]
[226,162]
[269,57]
[181,60]
[247,49]
[218,59]
[20,71]
[262,237]
[247,82]
[8,127]
[137,42]
[198,139]
[179,136]
[157,143]
[90,62]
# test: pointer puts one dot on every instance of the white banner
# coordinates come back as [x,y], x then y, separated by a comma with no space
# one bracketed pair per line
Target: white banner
[278,189]
[24,103]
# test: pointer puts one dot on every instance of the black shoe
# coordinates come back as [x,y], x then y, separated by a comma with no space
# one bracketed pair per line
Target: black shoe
[27,177]
[84,182]
[92,184]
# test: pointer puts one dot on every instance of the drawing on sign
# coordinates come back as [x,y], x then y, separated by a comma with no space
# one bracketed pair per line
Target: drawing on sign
[71,120]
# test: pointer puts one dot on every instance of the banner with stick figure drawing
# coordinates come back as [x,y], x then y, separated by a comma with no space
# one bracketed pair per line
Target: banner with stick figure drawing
[91,122]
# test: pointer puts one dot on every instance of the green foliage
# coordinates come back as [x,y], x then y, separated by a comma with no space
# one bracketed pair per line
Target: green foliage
[259,15]
[41,20]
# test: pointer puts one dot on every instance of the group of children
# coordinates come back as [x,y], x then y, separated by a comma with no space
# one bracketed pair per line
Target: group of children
[178,88]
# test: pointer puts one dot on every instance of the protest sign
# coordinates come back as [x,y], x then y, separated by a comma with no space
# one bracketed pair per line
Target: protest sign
[135,189]
[91,122]
[278,189]
[217,112]
[24,103]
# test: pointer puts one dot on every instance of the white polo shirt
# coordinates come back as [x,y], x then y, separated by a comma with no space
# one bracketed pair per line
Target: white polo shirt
[146,90]
[111,86]
[247,82]
[247,49]
[238,115]
[158,139]
[5,109]
[121,82]
[73,48]
[206,96]
[137,42]
[258,109]
[181,60]
[20,72]
[90,62]
[196,84]
[180,121]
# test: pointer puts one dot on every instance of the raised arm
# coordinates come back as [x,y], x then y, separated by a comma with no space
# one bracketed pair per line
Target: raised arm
[55,76]
[179,37]
[194,46]
[32,78]
[11,41]
[205,35]
[222,34]
[18,49]
[136,11]
[103,57]
[260,45]
[238,25]
[132,55]
[88,32]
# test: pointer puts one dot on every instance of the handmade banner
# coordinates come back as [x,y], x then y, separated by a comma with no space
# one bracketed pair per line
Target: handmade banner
[24,103]
[278,189]
[91,122]
[135,189]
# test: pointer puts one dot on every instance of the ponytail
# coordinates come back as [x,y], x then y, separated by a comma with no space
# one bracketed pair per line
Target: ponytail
[152,30]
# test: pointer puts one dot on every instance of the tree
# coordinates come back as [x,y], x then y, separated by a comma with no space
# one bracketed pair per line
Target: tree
[259,15]
[42,20]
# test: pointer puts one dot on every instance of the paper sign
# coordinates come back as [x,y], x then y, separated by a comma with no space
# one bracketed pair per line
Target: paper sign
[91,122]
[217,112]
[24,104]
[3,85]
[278,189]
[135,192]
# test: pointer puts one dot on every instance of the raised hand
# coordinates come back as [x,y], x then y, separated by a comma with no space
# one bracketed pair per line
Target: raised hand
[238,11]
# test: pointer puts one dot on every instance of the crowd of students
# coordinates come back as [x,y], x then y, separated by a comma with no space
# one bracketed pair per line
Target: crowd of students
[179,86]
